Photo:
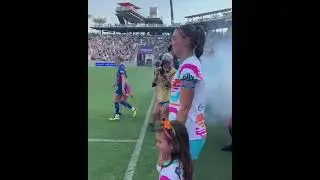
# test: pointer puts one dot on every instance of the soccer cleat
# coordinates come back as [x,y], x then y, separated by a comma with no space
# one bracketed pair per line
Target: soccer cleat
[115,117]
[134,110]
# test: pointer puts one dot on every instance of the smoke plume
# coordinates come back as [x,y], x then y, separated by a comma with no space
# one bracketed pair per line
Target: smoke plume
[217,70]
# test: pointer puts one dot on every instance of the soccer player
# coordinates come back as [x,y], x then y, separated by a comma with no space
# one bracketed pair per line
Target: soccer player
[120,90]
[187,87]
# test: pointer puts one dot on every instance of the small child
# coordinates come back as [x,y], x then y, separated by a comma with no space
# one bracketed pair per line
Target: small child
[128,91]
[174,154]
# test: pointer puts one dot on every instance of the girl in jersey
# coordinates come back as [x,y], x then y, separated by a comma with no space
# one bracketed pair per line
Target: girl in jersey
[173,145]
[187,87]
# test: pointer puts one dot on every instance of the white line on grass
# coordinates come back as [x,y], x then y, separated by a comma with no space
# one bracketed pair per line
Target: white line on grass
[112,140]
[137,149]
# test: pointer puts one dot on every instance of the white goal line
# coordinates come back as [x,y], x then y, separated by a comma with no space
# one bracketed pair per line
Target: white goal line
[113,140]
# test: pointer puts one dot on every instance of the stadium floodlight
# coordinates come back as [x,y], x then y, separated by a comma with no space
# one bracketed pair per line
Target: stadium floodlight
[171,8]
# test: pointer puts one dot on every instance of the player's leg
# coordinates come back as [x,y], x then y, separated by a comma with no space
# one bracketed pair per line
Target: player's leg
[125,103]
[155,116]
[123,98]
[117,98]
[196,147]
[164,111]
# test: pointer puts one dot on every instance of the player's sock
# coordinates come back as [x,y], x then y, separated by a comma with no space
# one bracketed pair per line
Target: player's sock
[116,108]
[125,104]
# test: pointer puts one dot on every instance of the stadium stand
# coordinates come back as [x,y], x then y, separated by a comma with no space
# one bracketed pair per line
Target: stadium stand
[106,47]
[134,31]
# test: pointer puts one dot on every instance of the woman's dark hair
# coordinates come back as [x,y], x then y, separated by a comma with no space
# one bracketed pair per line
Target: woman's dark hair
[197,37]
[179,139]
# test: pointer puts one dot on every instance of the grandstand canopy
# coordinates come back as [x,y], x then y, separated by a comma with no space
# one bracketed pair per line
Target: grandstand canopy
[208,13]
[128,4]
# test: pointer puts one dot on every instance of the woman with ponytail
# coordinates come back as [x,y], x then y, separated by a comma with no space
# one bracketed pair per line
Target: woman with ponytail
[187,87]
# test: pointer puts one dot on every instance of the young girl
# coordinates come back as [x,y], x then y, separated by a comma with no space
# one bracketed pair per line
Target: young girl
[128,90]
[173,145]
[128,93]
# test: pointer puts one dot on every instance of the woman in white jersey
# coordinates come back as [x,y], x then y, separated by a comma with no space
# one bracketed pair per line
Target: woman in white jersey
[187,87]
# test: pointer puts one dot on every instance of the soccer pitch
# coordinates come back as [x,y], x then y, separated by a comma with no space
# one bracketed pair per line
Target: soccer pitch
[123,149]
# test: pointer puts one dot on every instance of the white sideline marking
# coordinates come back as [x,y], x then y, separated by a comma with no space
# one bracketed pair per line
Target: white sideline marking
[112,140]
[137,149]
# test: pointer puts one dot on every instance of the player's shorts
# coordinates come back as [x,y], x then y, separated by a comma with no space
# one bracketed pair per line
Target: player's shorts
[161,103]
[118,91]
[196,147]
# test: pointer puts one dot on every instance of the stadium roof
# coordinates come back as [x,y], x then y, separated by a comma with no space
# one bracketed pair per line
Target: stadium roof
[126,4]
[208,13]
[148,28]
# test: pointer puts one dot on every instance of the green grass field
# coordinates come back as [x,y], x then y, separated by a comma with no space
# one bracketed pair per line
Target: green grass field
[109,156]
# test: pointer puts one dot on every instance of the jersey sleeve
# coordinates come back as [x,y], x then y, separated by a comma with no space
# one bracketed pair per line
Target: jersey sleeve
[189,75]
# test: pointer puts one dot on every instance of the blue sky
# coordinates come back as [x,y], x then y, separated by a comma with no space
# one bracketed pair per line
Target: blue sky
[181,8]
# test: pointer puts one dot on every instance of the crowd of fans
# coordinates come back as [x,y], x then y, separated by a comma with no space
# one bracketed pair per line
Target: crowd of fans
[107,47]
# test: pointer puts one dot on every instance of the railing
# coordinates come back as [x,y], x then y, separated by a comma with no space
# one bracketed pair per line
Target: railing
[227,17]
[142,25]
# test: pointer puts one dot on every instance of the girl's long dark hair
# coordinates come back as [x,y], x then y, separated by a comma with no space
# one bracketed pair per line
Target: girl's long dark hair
[197,36]
[181,149]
